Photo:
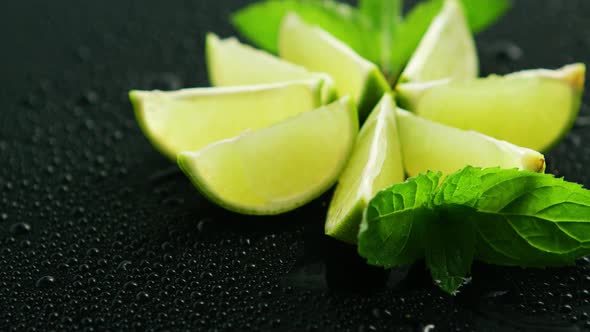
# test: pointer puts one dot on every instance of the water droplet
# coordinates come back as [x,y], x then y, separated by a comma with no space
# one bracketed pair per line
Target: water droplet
[90,97]
[124,265]
[142,297]
[20,228]
[45,282]
[165,82]
[429,328]
[130,285]
[504,51]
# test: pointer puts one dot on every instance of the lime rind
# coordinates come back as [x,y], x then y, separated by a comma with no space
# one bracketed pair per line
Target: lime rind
[137,103]
[199,181]
[264,203]
[348,228]
[231,63]
[190,119]
[574,74]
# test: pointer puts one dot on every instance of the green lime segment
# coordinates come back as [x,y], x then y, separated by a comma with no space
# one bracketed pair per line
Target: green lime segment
[279,168]
[190,119]
[447,49]
[376,163]
[232,63]
[427,145]
[534,109]
[317,50]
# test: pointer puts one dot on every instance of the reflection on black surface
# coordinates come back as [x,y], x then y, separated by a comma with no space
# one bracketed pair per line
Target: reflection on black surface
[331,265]
[328,264]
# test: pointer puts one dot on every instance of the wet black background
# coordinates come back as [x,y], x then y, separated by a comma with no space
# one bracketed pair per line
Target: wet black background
[97,231]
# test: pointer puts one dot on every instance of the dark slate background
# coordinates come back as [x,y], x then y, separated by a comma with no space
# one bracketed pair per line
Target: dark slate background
[99,232]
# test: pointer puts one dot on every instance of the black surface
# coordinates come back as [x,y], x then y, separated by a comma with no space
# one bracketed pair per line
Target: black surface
[99,232]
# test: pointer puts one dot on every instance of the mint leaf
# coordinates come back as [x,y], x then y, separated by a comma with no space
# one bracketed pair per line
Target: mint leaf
[382,13]
[260,22]
[385,16]
[480,14]
[391,229]
[499,216]
[487,192]
[550,214]
[450,249]
[483,13]
[462,188]
[522,218]
[500,244]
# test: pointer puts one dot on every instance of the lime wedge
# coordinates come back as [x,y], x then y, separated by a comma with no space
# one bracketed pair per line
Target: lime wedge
[447,49]
[534,109]
[279,168]
[190,119]
[232,63]
[427,145]
[376,163]
[317,50]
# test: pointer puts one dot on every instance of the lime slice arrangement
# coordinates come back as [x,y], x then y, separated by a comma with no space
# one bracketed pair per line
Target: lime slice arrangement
[276,132]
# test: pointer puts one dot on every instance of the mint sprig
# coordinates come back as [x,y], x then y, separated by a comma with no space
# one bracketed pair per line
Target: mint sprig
[498,216]
[385,16]
[375,29]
